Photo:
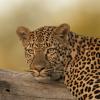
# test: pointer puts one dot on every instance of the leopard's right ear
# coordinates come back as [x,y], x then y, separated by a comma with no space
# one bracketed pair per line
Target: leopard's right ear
[62,31]
[22,32]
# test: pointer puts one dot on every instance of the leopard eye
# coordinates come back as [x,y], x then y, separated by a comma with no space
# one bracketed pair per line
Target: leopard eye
[29,56]
[51,50]
[51,54]
[31,51]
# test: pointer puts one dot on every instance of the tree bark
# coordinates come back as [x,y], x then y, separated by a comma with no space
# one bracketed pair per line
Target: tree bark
[22,86]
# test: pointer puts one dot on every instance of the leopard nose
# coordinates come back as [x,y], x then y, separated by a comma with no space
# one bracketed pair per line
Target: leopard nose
[38,68]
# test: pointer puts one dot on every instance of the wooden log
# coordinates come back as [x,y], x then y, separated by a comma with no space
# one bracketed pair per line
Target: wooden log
[22,86]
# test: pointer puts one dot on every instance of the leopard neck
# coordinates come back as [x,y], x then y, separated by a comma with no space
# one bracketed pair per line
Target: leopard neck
[78,45]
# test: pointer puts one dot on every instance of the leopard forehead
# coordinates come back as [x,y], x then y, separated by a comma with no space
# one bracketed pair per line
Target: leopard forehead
[42,34]
[44,37]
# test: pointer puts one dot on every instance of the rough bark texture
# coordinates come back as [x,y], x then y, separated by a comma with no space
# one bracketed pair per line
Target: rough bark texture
[22,86]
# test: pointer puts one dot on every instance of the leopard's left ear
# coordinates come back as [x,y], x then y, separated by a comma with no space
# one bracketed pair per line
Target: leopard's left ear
[63,30]
[22,32]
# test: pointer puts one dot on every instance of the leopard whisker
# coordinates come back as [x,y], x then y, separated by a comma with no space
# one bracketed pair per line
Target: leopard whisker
[54,70]
[29,70]
[58,71]
[49,69]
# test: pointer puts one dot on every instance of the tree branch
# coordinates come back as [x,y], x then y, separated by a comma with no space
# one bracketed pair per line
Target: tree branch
[22,86]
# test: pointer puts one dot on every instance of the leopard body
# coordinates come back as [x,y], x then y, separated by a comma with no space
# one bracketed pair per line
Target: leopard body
[56,53]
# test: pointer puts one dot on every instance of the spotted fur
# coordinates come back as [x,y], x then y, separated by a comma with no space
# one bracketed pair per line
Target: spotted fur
[56,53]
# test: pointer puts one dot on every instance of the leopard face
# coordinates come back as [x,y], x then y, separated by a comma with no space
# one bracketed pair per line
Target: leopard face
[45,51]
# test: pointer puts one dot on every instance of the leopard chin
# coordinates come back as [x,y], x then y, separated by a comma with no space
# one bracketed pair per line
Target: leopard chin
[42,79]
[48,78]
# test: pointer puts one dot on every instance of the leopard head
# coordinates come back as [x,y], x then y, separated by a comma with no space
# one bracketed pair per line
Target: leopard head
[45,50]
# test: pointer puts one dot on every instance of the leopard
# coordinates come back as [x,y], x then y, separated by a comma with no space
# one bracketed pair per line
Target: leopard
[55,53]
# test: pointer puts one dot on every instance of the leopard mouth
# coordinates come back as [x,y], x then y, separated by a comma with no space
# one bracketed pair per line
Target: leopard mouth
[46,76]
[40,76]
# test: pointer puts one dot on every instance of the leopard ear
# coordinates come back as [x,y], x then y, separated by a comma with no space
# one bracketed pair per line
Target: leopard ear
[63,30]
[22,32]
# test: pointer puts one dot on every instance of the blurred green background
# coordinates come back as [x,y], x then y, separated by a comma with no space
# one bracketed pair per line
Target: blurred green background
[82,15]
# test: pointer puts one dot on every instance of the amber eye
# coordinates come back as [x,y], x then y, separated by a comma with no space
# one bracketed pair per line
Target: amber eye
[29,55]
[52,54]
[31,51]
